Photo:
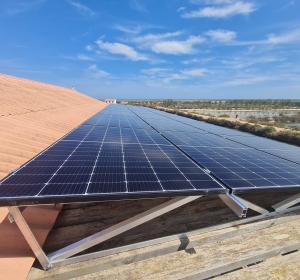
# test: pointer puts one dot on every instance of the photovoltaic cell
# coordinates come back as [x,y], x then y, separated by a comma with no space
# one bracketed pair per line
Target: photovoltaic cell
[239,160]
[124,152]
[283,150]
[114,155]
[273,147]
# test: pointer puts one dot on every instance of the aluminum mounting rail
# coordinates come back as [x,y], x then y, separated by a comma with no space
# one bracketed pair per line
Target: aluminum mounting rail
[94,239]
[289,202]
[68,254]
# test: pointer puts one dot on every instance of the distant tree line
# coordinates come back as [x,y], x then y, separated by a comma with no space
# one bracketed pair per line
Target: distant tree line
[288,136]
[228,104]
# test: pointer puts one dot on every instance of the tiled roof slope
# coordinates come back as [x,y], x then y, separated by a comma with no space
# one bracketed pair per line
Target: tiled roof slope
[33,115]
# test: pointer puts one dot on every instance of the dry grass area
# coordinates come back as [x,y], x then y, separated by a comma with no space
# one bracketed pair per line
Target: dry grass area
[201,113]
[34,115]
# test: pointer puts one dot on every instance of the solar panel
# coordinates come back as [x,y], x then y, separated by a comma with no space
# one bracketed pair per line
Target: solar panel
[276,148]
[133,152]
[200,139]
[242,169]
[273,147]
[114,155]
[195,125]
[240,165]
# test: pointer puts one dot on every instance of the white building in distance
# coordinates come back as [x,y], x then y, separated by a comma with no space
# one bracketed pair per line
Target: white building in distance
[110,101]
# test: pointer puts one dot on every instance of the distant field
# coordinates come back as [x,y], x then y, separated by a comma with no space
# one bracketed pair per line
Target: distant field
[277,119]
[281,118]
[231,104]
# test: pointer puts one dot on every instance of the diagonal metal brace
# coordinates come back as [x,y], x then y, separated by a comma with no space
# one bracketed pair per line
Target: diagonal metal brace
[119,228]
[287,203]
[16,216]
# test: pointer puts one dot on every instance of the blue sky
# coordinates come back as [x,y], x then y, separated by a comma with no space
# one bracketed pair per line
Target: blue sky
[155,49]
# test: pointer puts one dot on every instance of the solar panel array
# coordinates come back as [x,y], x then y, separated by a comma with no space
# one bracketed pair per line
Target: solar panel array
[134,152]
[283,150]
[239,160]
[113,155]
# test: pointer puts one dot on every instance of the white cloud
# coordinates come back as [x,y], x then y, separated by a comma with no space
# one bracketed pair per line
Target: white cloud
[221,35]
[155,71]
[249,80]
[191,61]
[213,2]
[81,57]
[186,74]
[18,7]
[89,48]
[82,9]
[174,77]
[195,72]
[177,47]
[146,41]
[121,49]
[96,72]
[168,43]
[289,37]
[244,62]
[84,57]
[222,11]
[136,29]
[138,5]
[181,9]
[167,75]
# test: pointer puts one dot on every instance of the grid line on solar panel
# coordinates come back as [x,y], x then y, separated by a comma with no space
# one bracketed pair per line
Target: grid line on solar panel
[242,179]
[35,162]
[177,162]
[96,159]
[54,178]
[282,150]
[147,159]
[123,158]
[196,139]
[45,181]
[70,164]
[178,123]
[239,168]
[270,146]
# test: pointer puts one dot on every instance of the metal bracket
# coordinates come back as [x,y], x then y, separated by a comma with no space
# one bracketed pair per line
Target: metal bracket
[240,205]
[66,254]
[10,218]
[252,206]
[119,228]
[177,237]
[184,242]
[16,216]
[287,203]
[234,204]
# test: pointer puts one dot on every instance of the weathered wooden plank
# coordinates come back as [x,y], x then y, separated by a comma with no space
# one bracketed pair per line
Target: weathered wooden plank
[276,268]
[212,254]
[250,259]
